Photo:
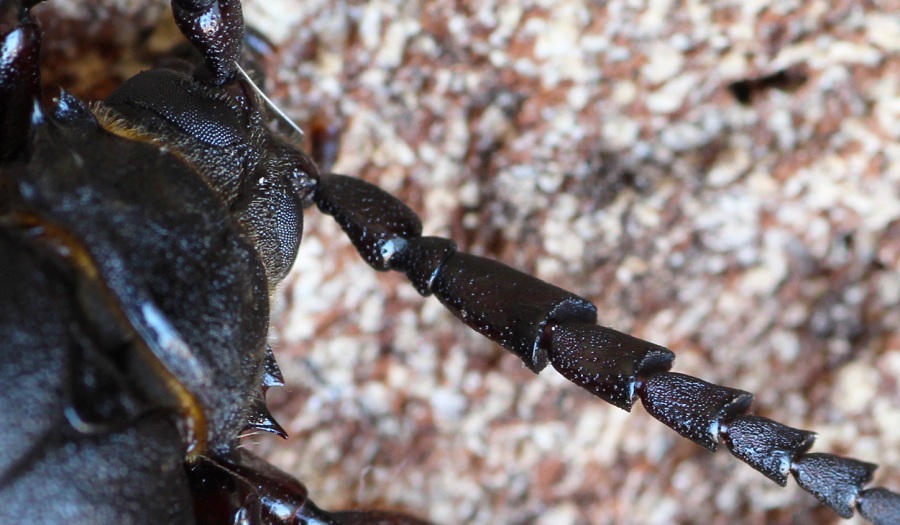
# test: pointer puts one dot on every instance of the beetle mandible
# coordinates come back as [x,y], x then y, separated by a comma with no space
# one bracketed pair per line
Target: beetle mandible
[645,265]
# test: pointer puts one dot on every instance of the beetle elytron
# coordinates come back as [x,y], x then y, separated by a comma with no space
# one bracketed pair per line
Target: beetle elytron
[144,348]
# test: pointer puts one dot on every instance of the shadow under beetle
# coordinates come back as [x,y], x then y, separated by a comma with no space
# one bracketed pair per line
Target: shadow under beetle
[141,239]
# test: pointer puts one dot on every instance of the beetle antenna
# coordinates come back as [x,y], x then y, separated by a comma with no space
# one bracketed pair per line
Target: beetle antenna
[268,101]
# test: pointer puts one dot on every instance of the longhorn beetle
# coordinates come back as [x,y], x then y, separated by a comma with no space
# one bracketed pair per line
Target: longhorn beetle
[829,315]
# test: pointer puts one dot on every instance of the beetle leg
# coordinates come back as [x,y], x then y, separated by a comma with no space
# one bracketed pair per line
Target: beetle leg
[216,29]
[20,76]
[256,492]
[543,324]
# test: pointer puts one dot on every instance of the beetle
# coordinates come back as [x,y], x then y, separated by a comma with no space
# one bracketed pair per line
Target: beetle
[612,309]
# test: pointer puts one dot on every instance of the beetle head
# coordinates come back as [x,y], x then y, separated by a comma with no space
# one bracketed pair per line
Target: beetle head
[219,130]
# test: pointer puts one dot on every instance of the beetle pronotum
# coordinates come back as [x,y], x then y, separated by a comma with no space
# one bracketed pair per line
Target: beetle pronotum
[600,148]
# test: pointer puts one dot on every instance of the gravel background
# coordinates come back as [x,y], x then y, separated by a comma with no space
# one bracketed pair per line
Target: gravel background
[602,147]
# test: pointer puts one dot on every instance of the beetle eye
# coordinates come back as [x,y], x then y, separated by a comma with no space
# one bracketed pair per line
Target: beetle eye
[180,105]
